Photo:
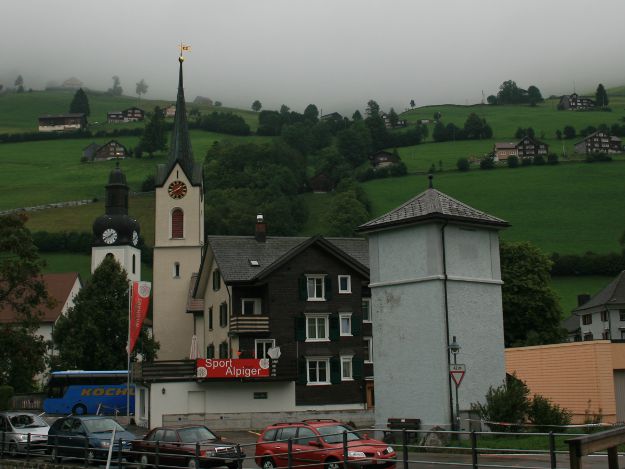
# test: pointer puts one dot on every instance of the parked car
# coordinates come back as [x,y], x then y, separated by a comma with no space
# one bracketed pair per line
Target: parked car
[15,428]
[318,444]
[177,447]
[86,438]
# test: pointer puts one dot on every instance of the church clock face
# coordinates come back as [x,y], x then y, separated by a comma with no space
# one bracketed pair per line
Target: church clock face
[177,190]
[135,238]
[109,236]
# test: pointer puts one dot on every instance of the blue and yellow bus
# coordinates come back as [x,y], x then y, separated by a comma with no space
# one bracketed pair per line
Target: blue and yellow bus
[88,392]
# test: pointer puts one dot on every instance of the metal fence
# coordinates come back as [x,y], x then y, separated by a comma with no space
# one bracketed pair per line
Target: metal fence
[410,447]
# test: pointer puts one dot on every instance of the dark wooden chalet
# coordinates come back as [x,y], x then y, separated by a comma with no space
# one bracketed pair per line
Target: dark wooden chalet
[307,296]
[383,158]
[528,147]
[131,114]
[599,142]
[574,102]
[62,122]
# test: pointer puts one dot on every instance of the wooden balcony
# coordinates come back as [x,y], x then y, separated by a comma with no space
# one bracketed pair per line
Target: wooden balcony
[249,324]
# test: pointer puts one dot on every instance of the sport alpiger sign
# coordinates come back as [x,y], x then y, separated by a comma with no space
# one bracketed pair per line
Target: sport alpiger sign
[232,368]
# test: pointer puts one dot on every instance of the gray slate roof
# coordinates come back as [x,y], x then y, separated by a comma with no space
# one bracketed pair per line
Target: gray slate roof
[613,294]
[432,204]
[234,253]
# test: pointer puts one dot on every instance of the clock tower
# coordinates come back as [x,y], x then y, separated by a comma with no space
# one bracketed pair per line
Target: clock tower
[178,237]
[115,233]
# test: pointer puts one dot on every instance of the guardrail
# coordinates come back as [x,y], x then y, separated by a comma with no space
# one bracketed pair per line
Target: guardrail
[588,444]
[469,449]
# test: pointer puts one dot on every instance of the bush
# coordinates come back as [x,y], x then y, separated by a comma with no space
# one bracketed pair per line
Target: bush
[463,164]
[598,157]
[552,158]
[488,162]
[539,160]
[148,184]
[507,403]
[546,415]
[526,161]
[513,161]
[138,151]
[6,393]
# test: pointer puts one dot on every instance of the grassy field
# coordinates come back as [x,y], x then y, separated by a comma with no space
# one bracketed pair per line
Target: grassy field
[568,288]
[19,112]
[570,208]
[51,171]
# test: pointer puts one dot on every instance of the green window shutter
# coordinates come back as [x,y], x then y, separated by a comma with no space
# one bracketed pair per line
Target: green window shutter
[335,332]
[210,351]
[335,370]
[303,293]
[302,377]
[328,284]
[356,325]
[357,368]
[300,329]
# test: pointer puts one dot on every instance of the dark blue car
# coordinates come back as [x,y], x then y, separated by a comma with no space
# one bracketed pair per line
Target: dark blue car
[86,438]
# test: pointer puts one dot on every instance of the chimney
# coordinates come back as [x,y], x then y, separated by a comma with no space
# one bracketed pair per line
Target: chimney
[260,233]
[583,299]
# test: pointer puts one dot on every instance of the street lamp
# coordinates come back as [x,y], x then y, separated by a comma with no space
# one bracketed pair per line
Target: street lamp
[454,348]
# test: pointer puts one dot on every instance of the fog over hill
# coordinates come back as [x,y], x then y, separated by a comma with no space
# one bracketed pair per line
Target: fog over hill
[335,53]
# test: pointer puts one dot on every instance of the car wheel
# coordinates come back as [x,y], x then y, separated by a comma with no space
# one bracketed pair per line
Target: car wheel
[192,464]
[12,450]
[268,463]
[333,464]
[79,409]
[232,465]
[54,456]
[143,461]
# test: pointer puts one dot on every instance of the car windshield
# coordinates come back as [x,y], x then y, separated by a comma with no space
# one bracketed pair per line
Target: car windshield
[193,434]
[334,434]
[102,425]
[27,421]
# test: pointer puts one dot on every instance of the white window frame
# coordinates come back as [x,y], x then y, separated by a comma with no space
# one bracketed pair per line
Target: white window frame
[347,359]
[270,342]
[326,318]
[314,278]
[364,316]
[326,360]
[349,284]
[257,306]
[341,317]
[369,341]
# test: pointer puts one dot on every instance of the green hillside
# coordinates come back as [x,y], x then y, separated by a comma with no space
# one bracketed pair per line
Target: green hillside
[19,111]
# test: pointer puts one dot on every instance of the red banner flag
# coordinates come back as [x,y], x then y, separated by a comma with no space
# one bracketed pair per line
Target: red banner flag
[138,310]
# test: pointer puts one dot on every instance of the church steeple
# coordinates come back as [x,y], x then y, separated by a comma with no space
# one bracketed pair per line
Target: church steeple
[117,193]
[180,150]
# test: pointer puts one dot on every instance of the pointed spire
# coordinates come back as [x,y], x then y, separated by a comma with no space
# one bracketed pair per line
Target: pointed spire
[180,149]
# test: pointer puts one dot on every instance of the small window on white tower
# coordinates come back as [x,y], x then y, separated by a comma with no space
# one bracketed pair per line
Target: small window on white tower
[134,261]
[177,224]
[176,269]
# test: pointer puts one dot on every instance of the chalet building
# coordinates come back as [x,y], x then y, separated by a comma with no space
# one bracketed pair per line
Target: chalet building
[574,102]
[389,125]
[108,151]
[599,142]
[170,111]
[62,122]
[603,315]
[504,150]
[131,114]
[332,116]
[382,159]
[528,147]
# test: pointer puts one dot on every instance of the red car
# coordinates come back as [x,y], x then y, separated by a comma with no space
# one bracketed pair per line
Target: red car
[177,447]
[319,443]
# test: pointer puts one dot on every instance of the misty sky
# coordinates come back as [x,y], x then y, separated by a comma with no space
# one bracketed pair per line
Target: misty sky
[337,54]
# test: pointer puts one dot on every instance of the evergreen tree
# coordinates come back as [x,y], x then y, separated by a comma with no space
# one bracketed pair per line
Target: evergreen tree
[154,138]
[356,116]
[116,90]
[601,96]
[256,106]
[412,104]
[80,103]
[99,316]
[142,88]
[19,84]
[22,292]
[393,118]
[311,113]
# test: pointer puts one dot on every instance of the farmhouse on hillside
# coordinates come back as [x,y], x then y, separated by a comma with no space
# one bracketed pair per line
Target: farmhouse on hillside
[72,83]
[170,111]
[527,147]
[382,159]
[109,150]
[62,122]
[599,141]
[574,102]
[504,150]
[132,114]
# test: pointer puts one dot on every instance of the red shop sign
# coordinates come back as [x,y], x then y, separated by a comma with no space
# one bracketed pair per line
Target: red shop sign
[232,368]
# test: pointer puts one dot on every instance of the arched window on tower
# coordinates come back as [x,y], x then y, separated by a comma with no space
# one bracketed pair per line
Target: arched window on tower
[177,224]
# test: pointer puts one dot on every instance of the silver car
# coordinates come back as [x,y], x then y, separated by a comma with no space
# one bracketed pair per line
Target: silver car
[15,426]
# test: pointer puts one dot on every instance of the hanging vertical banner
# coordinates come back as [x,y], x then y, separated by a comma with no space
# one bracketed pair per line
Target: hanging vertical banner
[138,310]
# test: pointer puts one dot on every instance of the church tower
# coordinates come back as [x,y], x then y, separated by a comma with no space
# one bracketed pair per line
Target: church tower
[115,233]
[178,237]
